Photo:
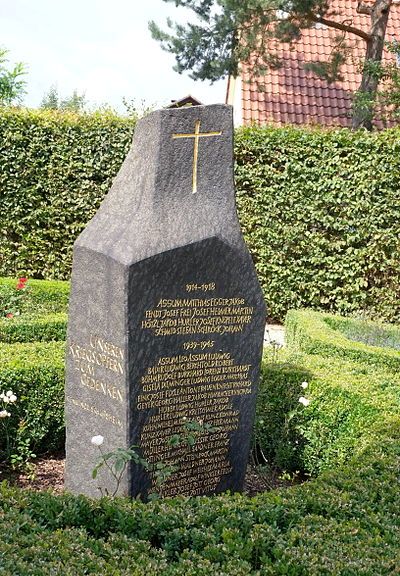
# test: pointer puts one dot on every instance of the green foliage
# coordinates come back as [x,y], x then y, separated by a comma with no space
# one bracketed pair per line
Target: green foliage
[315,333]
[319,210]
[12,299]
[12,86]
[35,373]
[228,33]
[372,333]
[116,462]
[65,165]
[43,328]
[276,437]
[32,366]
[343,522]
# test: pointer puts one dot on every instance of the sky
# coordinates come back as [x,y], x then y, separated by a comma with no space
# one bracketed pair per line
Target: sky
[100,48]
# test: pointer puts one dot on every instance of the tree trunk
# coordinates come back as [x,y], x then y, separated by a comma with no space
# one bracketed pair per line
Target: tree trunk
[366,94]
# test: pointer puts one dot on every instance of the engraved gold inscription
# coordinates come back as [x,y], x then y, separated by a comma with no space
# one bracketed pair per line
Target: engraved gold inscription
[94,410]
[191,316]
[88,359]
[94,356]
[202,345]
[194,287]
[197,135]
[192,387]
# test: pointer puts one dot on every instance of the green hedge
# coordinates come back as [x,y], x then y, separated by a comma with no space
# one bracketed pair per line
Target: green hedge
[32,352]
[319,208]
[349,401]
[44,328]
[320,212]
[35,373]
[360,330]
[345,523]
[55,169]
[312,333]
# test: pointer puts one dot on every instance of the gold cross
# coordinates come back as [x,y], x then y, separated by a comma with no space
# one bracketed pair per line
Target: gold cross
[197,135]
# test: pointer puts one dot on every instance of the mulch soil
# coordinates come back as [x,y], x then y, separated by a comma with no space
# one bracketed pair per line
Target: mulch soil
[47,473]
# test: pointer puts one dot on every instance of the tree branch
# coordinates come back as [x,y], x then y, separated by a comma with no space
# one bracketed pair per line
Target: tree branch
[340,26]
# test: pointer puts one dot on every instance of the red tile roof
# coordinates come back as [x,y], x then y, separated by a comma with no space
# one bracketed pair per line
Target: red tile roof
[293,95]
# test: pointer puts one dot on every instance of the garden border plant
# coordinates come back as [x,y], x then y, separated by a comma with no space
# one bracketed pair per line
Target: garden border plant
[315,333]
[343,522]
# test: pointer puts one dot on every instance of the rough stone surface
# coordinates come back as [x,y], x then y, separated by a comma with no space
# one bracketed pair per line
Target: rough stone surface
[166,317]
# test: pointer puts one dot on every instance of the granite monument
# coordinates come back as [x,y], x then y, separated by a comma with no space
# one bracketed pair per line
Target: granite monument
[166,315]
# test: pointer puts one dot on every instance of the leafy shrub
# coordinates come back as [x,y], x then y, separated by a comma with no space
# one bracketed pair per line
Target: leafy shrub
[275,434]
[372,333]
[347,401]
[43,296]
[311,332]
[35,373]
[32,365]
[12,298]
[65,164]
[44,328]
[343,523]
[319,210]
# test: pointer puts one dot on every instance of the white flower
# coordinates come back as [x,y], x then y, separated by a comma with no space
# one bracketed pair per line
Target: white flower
[304,401]
[304,385]
[6,399]
[4,414]
[97,440]
[13,398]
[10,393]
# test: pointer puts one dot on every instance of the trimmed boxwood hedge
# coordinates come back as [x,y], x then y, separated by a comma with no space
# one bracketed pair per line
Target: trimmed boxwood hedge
[43,328]
[345,522]
[313,333]
[32,349]
[35,373]
[319,208]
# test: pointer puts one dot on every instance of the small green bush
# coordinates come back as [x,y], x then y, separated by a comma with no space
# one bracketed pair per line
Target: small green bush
[344,523]
[32,366]
[275,434]
[44,328]
[43,296]
[348,400]
[368,332]
[311,332]
[35,373]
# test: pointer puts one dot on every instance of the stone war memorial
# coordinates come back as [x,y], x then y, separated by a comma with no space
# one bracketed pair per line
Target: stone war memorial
[166,316]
